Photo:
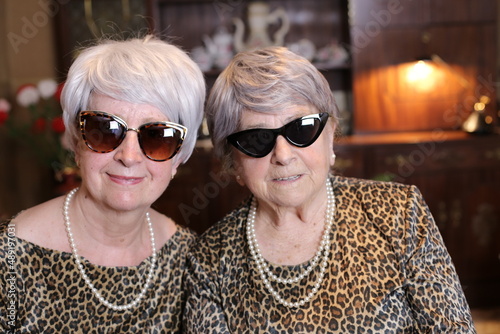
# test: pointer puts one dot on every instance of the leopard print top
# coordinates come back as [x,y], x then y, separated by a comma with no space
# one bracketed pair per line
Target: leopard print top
[388,272]
[43,291]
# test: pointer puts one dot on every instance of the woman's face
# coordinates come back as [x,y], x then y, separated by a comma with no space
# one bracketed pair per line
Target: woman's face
[124,179]
[289,176]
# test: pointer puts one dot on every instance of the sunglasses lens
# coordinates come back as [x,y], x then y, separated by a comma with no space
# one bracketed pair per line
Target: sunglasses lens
[160,142]
[304,131]
[255,143]
[301,132]
[101,133]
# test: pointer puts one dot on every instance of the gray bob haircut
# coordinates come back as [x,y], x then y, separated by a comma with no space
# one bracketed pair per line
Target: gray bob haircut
[138,70]
[266,80]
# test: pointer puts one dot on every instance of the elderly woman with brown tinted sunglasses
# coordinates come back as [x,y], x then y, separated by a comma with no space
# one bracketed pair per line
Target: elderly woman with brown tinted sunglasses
[310,252]
[101,259]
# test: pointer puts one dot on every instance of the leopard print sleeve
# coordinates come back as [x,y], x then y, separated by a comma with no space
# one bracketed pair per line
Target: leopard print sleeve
[8,297]
[432,285]
[203,312]
[215,259]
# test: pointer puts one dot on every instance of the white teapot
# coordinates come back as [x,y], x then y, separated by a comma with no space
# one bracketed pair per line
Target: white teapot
[259,17]
[220,47]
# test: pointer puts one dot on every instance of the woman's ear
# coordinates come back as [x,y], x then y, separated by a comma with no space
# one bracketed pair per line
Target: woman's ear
[331,127]
[77,154]
[332,158]
[237,172]
[240,181]
[175,164]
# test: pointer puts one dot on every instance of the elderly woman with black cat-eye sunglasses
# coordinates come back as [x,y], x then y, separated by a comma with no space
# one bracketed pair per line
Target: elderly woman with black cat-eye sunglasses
[310,251]
[108,262]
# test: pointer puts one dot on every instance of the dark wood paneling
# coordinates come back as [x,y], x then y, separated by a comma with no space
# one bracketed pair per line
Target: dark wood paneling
[374,15]
[446,11]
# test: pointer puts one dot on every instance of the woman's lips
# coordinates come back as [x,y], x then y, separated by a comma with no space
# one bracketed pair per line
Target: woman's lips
[288,178]
[126,180]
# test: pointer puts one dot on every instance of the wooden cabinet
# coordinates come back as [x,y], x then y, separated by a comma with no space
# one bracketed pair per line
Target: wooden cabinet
[383,38]
[404,131]
[459,177]
[188,21]
[387,39]
[321,22]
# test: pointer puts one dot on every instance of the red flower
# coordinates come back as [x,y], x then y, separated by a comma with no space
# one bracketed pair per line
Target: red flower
[3,116]
[4,111]
[58,125]
[39,125]
[4,105]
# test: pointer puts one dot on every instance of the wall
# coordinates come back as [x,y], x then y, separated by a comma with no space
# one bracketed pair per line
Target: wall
[27,56]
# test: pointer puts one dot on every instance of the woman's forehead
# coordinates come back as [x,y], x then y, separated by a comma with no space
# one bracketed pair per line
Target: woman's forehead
[252,119]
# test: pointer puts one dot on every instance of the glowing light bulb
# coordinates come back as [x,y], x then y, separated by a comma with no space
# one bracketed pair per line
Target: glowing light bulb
[420,71]
[479,106]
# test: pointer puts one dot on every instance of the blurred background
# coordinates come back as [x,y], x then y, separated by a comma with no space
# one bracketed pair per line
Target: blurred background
[416,83]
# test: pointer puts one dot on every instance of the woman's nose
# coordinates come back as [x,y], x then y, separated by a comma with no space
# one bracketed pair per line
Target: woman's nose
[282,152]
[129,151]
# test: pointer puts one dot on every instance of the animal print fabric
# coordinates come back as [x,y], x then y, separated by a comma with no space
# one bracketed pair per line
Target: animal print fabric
[389,272]
[50,296]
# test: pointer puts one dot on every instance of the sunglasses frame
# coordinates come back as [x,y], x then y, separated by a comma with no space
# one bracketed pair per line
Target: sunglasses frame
[182,129]
[233,138]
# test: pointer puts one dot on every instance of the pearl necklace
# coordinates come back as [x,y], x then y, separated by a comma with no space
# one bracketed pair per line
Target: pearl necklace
[324,248]
[74,250]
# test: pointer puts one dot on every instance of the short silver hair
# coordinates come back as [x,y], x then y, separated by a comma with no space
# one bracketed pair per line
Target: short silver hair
[144,70]
[265,80]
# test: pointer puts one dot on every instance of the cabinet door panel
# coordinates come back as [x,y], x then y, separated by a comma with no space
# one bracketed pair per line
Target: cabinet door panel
[387,13]
[476,201]
[446,11]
